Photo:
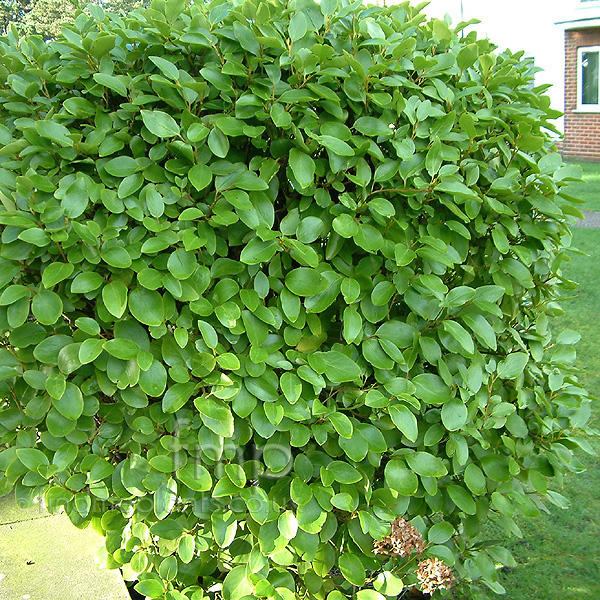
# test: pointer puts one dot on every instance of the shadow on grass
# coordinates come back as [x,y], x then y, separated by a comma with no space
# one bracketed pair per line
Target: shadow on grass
[559,555]
[589,189]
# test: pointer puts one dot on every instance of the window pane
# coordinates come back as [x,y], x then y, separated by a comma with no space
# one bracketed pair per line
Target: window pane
[589,77]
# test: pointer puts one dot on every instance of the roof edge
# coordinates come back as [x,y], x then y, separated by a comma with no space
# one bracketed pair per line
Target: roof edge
[581,23]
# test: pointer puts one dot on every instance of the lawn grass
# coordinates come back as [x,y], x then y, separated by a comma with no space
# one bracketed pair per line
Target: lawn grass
[559,555]
[589,188]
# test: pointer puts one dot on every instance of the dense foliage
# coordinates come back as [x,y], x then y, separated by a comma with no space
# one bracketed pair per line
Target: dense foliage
[272,276]
[46,17]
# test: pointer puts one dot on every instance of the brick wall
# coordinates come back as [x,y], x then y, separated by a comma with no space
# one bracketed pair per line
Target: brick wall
[582,130]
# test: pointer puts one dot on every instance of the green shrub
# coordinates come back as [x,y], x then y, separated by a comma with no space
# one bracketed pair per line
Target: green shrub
[272,277]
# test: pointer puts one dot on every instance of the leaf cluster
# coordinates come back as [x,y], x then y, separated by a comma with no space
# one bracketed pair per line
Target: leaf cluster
[273,275]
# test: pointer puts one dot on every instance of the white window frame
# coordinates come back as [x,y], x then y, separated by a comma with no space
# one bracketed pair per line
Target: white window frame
[589,108]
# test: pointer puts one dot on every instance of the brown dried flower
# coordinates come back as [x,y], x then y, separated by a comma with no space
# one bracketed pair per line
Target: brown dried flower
[433,575]
[403,539]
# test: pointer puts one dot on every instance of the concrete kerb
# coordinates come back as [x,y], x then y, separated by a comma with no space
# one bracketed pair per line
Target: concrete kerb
[591,221]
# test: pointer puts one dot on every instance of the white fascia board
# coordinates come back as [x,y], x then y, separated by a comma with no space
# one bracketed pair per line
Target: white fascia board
[581,23]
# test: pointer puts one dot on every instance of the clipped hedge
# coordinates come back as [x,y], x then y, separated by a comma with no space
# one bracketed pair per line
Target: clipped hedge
[273,276]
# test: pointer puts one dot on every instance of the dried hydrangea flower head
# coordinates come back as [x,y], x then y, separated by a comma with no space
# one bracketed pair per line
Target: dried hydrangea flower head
[434,575]
[403,539]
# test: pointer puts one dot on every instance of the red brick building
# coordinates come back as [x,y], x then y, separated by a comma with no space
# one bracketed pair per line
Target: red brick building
[582,82]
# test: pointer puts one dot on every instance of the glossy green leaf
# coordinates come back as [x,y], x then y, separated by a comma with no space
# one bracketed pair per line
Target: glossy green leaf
[182,264]
[461,335]
[462,498]
[426,464]
[343,472]
[55,132]
[306,282]
[76,198]
[401,479]
[431,388]
[215,415]
[153,381]
[196,477]
[31,458]
[371,126]
[405,420]
[111,82]
[176,396]
[186,548]
[475,479]
[160,123]
[513,365]
[258,251]
[47,307]
[114,296]
[218,143]
[116,257]
[337,146]
[55,273]
[338,367]
[86,282]
[352,569]
[303,167]
[236,584]
[200,176]
[90,350]
[454,414]
[440,533]
[166,67]
[122,166]
[70,404]
[150,588]
[146,306]
[122,348]
[342,424]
